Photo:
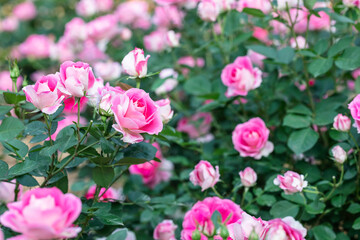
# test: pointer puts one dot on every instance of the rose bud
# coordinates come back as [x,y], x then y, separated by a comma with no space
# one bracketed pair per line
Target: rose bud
[204,175]
[165,230]
[135,63]
[165,110]
[291,182]
[342,123]
[248,177]
[208,10]
[339,154]
[173,39]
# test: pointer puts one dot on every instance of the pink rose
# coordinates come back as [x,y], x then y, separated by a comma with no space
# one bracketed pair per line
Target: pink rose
[155,41]
[43,213]
[77,77]
[165,230]
[191,62]
[320,23]
[354,107]
[248,177]
[195,126]
[103,27]
[86,8]
[7,191]
[9,24]
[262,35]
[67,121]
[135,113]
[300,42]
[342,123]
[243,228]
[125,34]
[351,3]
[199,216]
[104,5]
[47,93]
[36,46]
[299,17]
[111,194]
[168,2]
[76,30]
[263,5]
[153,172]
[135,63]
[1,235]
[93,93]
[250,139]
[170,83]
[172,39]
[240,77]
[25,11]
[291,182]
[134,13]
[6,83]
[91,52]
[168,16]
[208,10]
[356,73]
[105,98]
[108,70]
[204,175]
[287,228]
[165,110]
[256,58]
[339,154]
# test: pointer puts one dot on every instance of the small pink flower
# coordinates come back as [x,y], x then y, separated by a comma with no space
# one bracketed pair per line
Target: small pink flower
[155,41]
[105,99]
[195,126]
[111,194]
[170,83]
[86,8]
[243,228]
[299,42]
[291,182]
[135,63]
[134,13]
[356,73]
[248,177]
[172,39]
[47,94]
[262,35]
[342,123]
[168,2]
[165,110]
[108,70]
[240,77]
[320,23]
[168,16]
[354,107]
[6,81]
[103,27]
[104,5]
[165,230]
[191,62]
[25,11]
[208,10]
[135,113]
[339,154]
[7,191]
[9,24]
[36,46]
[205,175]
[125,34]
[44,213]
[256,58]
[250,139]
[286,228]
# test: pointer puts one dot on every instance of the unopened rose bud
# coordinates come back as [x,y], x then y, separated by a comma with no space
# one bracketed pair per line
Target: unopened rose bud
[196,235]
[339,154]
[14,71]
[224,232]
[342,123]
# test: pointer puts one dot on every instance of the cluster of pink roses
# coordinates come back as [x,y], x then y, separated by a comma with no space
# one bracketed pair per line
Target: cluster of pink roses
[24,11]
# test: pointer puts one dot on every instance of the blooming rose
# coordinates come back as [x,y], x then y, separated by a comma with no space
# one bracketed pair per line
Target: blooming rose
[286,228]
[243,228]
[339,154]
[195,126]
[135,63]
[342,123]
[240,77]
[354,107]
[204,175]
[47,93]
[43,213]
[77,77]
[93,93]
[248,177]
[134,13]
[165,230]
[199,216]
[170,82]
[291,182]
[25,11]
[108,70]
[111,193]
[208,10]
[256,58]
[155,41]
[7,191]
[103,27]
[36,46]
[105,98]
[6,81]
[135,113]
[250,139]
[165,110]
[167,16]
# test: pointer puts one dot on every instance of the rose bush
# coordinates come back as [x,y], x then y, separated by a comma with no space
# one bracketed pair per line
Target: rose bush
[180,119]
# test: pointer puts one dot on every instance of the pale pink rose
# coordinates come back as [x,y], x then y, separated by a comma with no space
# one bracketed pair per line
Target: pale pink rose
[71,105]
[155,41]
[168,2]
[256,58]
[43,213]
[76,29]
[67,121]
[135,113]
[103,27]
[339,154]
[134,13]
[110,194]
[191,4]
[165,110]
[63,50]
[9,24]
[108,70]
[278,28]
[342,123]
[281,4]
[300,42]
[263,5]
[199,216]
[356,73]
[286,228]
[226,5]
[248,177]
[208,10]
[170,83]
[153,172]
[205,175]
[190,62]
[7,191]
[250,139]
[105,98]
[240,77]
[351,3]
[104,5]
[93,93]
[168,16]
[91,52]
[165,230]
[86,8]
[242,229]
[172,39]
[77,77]
[6,82]
[135,63]
[262,35]
[125,34]
[36,46]
[47,94]
[291,182]
[195,126]
[354,107]
[25,11]
[320,23]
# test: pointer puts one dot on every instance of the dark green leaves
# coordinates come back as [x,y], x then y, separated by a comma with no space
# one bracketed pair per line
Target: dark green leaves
[297,121]
[320,66]
[198,85]
[103,176]
[13,98]
[302,140]
[323,232]
[254,12]
[10,128]
[283,209]
[349,60]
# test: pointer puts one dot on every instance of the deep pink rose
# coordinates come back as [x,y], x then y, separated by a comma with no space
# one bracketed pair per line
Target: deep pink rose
[240,77]
[135,113]
[71,105]
[291,182]
[195,126]
[199,216]
[205,175]
[287,228]
[43,213]
[36,46]
[354,107]
[135,63]
[250,139]
[25,11]
[165,230]
[262,35]
[47,94]
[342,123]
[6,82]
[111,194]
[248,177]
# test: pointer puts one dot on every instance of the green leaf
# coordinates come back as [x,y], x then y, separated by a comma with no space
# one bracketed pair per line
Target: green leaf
[3,169]
[349,60]
[10,128]
[17,147]
[315,207]
[340,18]
[27,180]
[266,51]
[266,200]
[341,45]
[324,116]
[5,109]
[357,85]
[13,98]
[100,160]
[309,4]
[338,201]
[323,232]
[198,85]
[23,168]
[297,121]
[285,55]
[232,22]
[320,66]
[66,139]
[356,224]
[146,216]
[120,234]
[354,208]
[302,140]
[254,12]
[283,209]
[103,176]
[141,150]
[131,161]
[35,128]
[216,219]
[300,109]
[321,46]
[110,219]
